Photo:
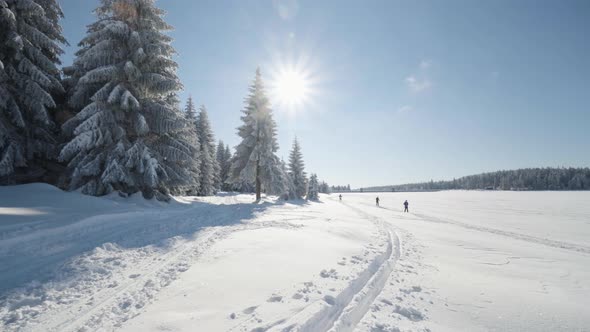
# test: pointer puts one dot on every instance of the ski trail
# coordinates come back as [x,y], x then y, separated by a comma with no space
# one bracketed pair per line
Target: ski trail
[124,292]
[152,276]
[343,312]
[113,306]
[514,235]
[517,236]
[362,301]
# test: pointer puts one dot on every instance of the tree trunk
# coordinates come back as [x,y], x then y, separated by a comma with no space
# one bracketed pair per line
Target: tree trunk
[258,185]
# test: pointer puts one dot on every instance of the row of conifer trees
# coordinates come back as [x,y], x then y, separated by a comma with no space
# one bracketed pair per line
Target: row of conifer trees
[111,121]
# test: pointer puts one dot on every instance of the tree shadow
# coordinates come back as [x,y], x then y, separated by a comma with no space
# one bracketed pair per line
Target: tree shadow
[37,247]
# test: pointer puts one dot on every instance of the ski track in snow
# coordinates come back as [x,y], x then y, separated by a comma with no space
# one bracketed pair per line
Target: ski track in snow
[109,301]
[343,312]
[514,235]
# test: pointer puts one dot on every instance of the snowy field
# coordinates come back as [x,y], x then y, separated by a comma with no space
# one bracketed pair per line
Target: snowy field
[459,261]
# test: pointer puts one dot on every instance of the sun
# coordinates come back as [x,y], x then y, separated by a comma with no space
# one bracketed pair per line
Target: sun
[291,87]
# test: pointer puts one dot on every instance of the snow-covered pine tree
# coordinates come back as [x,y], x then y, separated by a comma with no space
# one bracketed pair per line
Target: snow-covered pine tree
[290,191]
[324,188]
[255,159]
[228,157]
[30,35]
[313,192]
[192,136]
[208,161]
[297,170]
[223,156]
[128,133]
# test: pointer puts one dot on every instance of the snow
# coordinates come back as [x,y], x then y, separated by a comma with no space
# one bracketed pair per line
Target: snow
[460,260]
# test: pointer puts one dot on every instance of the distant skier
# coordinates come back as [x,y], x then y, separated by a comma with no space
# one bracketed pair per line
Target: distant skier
[340,196]
[406,206]
[377,200]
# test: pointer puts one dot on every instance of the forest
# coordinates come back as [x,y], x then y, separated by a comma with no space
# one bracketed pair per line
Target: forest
[112,121]
[520,179]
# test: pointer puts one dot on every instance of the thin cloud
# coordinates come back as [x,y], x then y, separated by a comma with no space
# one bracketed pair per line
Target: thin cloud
[425,64]
[417,85]
[287,9]
[405,109]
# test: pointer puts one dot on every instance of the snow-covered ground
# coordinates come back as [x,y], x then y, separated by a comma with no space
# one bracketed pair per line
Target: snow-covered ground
[459,261]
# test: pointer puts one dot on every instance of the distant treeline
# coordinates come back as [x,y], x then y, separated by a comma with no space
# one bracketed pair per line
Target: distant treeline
[337,189]
[520,179]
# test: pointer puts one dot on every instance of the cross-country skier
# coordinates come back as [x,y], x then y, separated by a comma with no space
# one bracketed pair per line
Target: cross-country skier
[377,200]
[406,206]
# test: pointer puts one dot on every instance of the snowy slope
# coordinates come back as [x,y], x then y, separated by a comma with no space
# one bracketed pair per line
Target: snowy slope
[470,261]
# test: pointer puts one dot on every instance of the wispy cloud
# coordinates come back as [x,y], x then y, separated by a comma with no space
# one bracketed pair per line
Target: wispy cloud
[405,109]
[418,85]
[287,9]
[425,64]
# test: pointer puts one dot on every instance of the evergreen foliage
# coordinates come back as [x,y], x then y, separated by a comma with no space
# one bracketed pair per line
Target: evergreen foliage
[209,167]
[345,188]
[128,134]
[30,35]
[192,136]
[297,170]
[223,156]
[324,188]
[313,192]
[520,179]
[289,187]
[255,160]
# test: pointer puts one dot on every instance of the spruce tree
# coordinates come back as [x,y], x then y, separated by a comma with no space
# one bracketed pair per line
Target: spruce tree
[192,136]
[30,35]
[324,188]
[208,161]
[255,160]
[227,155]
[128,134]
[290,191]
[223,157]
[297,170]
[313,193]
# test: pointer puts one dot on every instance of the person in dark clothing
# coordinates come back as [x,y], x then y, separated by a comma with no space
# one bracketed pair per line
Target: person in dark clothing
[406,206]
[377,200]
[340,196]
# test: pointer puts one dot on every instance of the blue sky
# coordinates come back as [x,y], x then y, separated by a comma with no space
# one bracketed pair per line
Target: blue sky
[402,91]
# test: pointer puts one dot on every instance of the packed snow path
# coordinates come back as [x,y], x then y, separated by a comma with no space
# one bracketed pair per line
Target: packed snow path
[476,261]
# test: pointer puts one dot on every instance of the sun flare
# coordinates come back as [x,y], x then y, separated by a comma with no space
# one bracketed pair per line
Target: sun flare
[291,87]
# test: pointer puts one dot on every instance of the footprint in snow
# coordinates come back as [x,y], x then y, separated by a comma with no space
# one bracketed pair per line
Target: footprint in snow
[330,299]
[275,298]
[297,296]
[386,301]
[135,275]
[329,274]
[249,310]
[410,313]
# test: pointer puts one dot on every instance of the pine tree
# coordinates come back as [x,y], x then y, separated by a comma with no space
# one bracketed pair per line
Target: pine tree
[290,190]
[228,157]
[324,188]
[297,170]
[208,162]
[255,159]
[223,157]
[192,137]
[313,193]
[128,134]
[30,35]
